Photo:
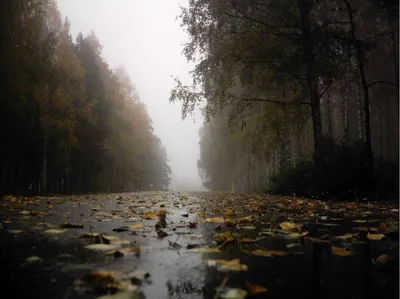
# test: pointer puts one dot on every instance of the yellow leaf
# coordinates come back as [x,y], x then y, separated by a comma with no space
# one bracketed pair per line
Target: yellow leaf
[346,236]
[230,222]
[137,225]
[162,212]
[287,225]
[15,231]
[150,215]
[205,250]
[234,265]
[102,247]
[341,251]
[215,220]
[55,231]
[230,212]
[248,227]
[375,237]
[246,219]
[201,214]
[360,221]
[269,253]
[317,240]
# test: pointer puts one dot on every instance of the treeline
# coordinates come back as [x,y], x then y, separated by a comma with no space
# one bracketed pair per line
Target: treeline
[68,122]
[302,96]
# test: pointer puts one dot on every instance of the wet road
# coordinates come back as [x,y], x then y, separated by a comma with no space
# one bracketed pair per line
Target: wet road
[285,246]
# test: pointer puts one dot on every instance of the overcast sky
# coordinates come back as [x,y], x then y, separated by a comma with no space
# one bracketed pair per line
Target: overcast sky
[144,36]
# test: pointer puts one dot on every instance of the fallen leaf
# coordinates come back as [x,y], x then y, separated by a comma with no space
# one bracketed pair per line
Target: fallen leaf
[150,216]
[33,259]
[375,237]
[193,235]
[292,245]
[317,240]
[360,221]
[55,231]
[205,250]
[201,214]
[230,212]
[346,236]
[232,293]
[162,213]
[248,227]
[102,247]
[215,220]
[255,289]
[230,222]
[137,225]
[125,251]
[288,225]
[269,253]
[341,251]
[15,231]
[71,225]
[383,228]
[246,219]
[382,260]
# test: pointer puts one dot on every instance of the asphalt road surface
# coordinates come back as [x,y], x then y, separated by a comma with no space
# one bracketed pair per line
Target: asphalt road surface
[160,245]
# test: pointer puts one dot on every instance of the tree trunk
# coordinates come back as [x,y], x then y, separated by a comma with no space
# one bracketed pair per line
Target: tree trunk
[361,68]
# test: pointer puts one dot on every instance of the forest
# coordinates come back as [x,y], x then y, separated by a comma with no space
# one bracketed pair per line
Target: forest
[301,97]
[69,123]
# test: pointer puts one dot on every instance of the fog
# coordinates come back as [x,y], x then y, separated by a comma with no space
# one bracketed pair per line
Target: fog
[145,37]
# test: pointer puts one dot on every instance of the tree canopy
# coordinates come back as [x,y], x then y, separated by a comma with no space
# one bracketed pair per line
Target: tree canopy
[69,123]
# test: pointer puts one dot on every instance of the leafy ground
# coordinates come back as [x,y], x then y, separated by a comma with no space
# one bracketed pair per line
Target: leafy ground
[197,245]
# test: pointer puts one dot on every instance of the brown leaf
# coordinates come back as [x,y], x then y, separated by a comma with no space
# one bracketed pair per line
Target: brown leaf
[341,251]
[255,289]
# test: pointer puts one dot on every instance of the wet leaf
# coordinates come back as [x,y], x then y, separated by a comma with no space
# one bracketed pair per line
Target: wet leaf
[150,216]
[125,251]
[269,253]
[55,231]
[255,289]
[34,260]
[15,231]
[90,235]
[71,225]
[375,237]
[162,213]
[341,251]
[137,225]
[288,225]
[232,293]
[382,260]
[230,222]
[248,227]
[383,228]
[193,235]
[346,236]
[360,221]
[246,219]
[161,233]
[102,247]
[230,212]
[205,250]
[215,220]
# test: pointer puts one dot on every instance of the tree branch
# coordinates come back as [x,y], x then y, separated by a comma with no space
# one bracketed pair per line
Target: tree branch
[326,88]
[268,101]
[382,82]
[256,60]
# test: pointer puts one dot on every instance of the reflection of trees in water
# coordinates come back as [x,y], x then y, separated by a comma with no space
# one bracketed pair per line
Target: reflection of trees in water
[182,288]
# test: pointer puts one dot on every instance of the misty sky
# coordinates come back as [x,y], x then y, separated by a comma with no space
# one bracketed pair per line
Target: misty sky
[144,36]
